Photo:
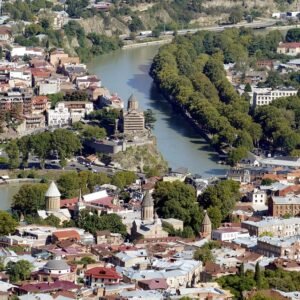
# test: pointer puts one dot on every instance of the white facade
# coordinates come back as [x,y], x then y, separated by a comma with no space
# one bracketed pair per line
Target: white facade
[266,96]
[259,200]
[58,116]
[50,87]
[229,234]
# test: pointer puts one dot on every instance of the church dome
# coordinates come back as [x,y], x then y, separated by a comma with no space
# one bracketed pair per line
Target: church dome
[52,191]
[206,220]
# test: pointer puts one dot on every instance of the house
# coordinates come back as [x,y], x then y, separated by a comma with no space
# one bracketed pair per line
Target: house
[229,233]
[258,200]
[107,237]
[100,276]
[58,236]
[291,49]
[153,284]
[5,34]
[265,64]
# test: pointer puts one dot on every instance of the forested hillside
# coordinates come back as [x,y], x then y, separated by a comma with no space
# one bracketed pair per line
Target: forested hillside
[190,71]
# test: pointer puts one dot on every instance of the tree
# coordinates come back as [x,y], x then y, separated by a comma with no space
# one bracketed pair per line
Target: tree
[149,118]
[91,222]
[222,196]
[235,155]
[30,198]
[12,152]
[236,16]
[7,223]
[258,276]
[293,35]
[248,88]
[204,254]
[19,271]
[93,132]
[178,200]
[242,270]
[123,178]
[136,24]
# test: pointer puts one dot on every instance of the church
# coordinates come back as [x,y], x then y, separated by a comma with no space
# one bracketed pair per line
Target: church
[149,226]
[52,198]
[133,119]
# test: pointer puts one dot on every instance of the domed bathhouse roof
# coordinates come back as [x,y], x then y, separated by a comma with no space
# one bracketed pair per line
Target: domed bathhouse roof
[56,264]
[147,200]
[52,191]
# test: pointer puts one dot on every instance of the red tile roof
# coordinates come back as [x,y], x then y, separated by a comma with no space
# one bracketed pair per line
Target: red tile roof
[39,99]
[66,234]
[48,287]
[155,284]
[104,273]
[289,45]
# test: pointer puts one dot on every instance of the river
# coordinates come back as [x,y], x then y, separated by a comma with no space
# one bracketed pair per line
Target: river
[126,72]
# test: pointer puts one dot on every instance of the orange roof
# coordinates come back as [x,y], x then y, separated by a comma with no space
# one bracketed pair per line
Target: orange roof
[39,72]
[274,177]
[289,45]
[66,234]
[39,99]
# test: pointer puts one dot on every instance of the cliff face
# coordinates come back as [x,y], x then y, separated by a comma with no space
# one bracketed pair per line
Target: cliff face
[141,159]
[97,24]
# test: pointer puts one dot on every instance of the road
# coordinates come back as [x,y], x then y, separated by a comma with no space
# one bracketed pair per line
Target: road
[262,23]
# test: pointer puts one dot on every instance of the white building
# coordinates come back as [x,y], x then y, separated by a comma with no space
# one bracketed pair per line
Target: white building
[229,233]
[258,199]
[58,116]
[266,96]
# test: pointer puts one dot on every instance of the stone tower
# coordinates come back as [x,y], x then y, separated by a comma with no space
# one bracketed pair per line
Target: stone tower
[205,229]
[52,198]
[132,104]
[147,211]
[80,204]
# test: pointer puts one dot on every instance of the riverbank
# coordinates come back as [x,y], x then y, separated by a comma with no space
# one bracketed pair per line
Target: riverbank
[150,43]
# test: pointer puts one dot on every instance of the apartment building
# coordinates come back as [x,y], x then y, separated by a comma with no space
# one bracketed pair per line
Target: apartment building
[278,227]
[265,96]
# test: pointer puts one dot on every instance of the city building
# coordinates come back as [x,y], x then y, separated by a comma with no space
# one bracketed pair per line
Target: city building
[266,96]
[280,206]
[288,247]
[229,233]
[258,200]
[292,49]
[278,227]
[101,276]
[58,116]
[133,119]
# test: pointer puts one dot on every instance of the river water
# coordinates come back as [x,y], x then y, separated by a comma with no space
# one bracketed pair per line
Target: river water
[126,72]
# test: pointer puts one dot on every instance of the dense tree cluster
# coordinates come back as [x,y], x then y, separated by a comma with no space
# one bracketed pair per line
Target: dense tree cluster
[61,141]
[279,279]
[190,72]
[219,200]
[178,200]
[91,222]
